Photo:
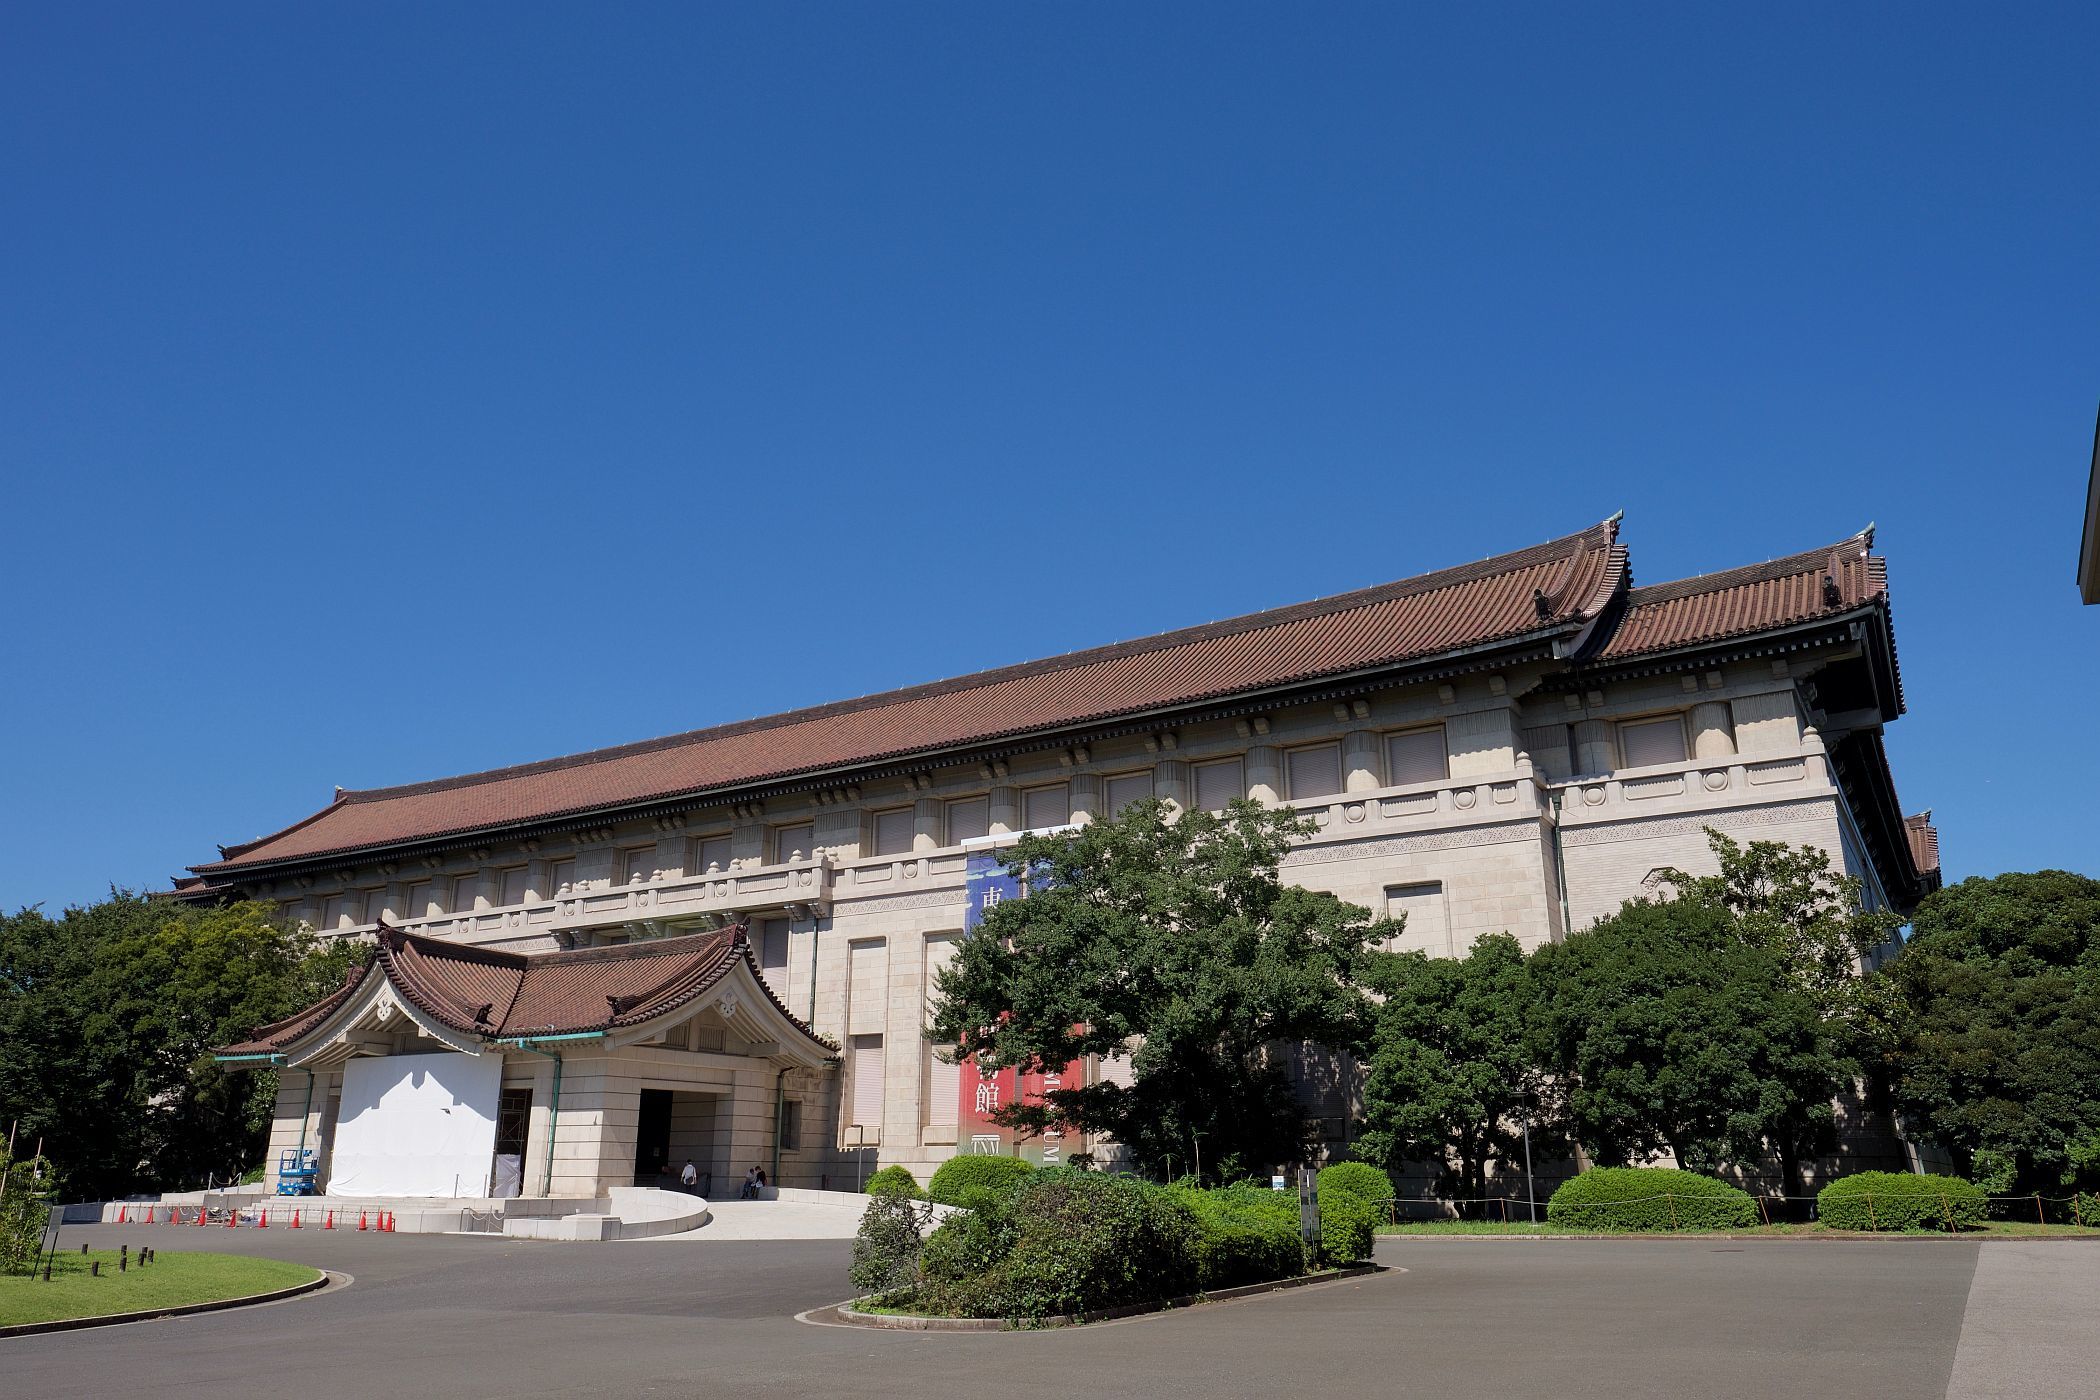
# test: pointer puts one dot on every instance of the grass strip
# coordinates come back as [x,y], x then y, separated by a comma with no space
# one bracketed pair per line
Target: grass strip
[174,1279]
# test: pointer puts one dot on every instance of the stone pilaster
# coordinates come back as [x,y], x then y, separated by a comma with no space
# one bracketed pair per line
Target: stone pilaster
[1713,730]
[1362,769]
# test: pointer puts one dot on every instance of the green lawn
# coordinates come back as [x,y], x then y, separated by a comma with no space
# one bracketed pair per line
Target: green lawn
[2015,1228]
[171,1280]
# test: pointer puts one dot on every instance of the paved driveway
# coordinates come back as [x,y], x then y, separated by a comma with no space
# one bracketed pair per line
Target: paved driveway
[1683,1319]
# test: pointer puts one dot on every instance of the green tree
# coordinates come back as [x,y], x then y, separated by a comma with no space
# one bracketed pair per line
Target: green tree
[1664,1027]
[1993,1047]
[1171,940]
[107,1018]
[1450,1078]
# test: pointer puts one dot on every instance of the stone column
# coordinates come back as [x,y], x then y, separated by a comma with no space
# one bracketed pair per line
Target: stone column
[926,834]
[747,845]
[1170,782]
[1005,811]
[1593,747]
[1361,770]
[1713,730]
[1086,797]
[1265,775]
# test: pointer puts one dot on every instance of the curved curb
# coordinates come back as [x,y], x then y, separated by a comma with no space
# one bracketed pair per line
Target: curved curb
[843,1315]
[75,1324]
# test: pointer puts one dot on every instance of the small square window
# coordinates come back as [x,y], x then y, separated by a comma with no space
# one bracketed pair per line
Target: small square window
[561,876]
[794,842]
[710,853]
[1416,756]
[1125,788]
[1045,807]
[1219,783]
[639,864]
[464,890]
[1315,771]
[891,832]
[1651,741]
[513,885]
[968,818]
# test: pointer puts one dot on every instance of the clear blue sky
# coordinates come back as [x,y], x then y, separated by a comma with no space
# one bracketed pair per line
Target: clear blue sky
[391,391]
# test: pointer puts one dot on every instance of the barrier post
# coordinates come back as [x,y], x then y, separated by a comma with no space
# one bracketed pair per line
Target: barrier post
[1764,1212]
[1670,1198]
[2038,1209]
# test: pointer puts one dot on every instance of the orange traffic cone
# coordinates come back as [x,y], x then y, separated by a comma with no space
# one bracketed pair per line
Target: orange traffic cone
[328,1221]
[200,1217]
[233,1217]
[149,1215]
[262,1218]
[361,1221]
[123,1215]
[390,1222]
[295,1220]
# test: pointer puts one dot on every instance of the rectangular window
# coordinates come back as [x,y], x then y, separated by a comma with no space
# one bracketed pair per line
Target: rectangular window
[1314,771]
[891,832]
[794,842]
[638,864]
[1219,783]
[710,853]
[1416,756]
[1046,806]
[968,819]
[420,895]
[867,1081]
[561,877]
[791,1126]
[335,912]
[1125,788]
[1647,741]
[773,954]
[513,885]
[375,906]
[1428,926]
[464,890]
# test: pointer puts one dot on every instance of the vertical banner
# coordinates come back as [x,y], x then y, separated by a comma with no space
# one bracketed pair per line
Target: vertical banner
[989,884]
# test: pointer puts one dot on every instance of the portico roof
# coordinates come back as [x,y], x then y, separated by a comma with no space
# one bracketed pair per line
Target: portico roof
[497,995]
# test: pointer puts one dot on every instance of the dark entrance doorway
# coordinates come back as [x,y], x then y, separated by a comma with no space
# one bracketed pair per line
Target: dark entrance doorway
[652,1137]
[513,1124]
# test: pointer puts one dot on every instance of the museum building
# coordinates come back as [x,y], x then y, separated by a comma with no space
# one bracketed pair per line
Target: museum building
[718,946]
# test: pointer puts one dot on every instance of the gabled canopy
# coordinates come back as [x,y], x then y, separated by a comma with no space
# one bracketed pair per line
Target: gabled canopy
[471,997]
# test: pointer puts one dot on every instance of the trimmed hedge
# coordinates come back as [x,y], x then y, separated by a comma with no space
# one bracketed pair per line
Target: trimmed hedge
[1073,1241]
[894,1180]
[1246,1234]
[971,1174]
[1348,1227]
[1649,1198]
[1899,1201]
[1358,1180]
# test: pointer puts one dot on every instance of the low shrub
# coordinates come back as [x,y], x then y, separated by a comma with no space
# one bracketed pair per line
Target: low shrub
[960,1177]
[886,1247]
[1649,1198]
[1245,1234]
[1899,1201]
[1348,1226]
[2084,1209]
[1359,1180]
[894,1181]
[1066,1241]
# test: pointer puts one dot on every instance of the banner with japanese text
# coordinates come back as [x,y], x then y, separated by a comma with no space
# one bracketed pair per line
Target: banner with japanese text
[990,884]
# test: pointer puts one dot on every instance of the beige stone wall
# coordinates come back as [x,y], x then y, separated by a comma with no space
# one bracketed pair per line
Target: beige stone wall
[1538,826]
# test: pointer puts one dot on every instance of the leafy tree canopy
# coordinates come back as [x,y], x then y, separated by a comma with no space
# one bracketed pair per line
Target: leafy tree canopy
[1672,1025]
[107,1015]
[1450,1075]
[1994,1047]
[1172,941]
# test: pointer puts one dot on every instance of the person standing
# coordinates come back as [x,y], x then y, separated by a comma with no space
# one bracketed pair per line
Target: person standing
[688,1176]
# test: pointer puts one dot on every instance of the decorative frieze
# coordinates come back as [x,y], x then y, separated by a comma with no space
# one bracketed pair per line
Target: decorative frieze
[1659,828]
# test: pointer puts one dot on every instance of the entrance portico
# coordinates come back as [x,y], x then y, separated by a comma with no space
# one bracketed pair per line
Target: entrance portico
[448,1069]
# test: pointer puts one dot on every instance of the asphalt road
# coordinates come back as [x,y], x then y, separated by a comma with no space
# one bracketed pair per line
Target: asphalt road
[1682,1319]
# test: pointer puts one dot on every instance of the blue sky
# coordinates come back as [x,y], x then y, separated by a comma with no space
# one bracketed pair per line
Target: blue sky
[393,391]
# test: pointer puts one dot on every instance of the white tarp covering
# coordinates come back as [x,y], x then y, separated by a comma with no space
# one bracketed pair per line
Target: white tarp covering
[417,1125]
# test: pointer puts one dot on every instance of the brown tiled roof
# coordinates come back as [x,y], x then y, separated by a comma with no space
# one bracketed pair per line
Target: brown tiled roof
[1924,840]
[1548,589]
[1755,598]
[503,995]
[269,1039]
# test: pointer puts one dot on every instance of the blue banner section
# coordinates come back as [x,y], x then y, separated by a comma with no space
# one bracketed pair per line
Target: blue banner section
[988,884]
